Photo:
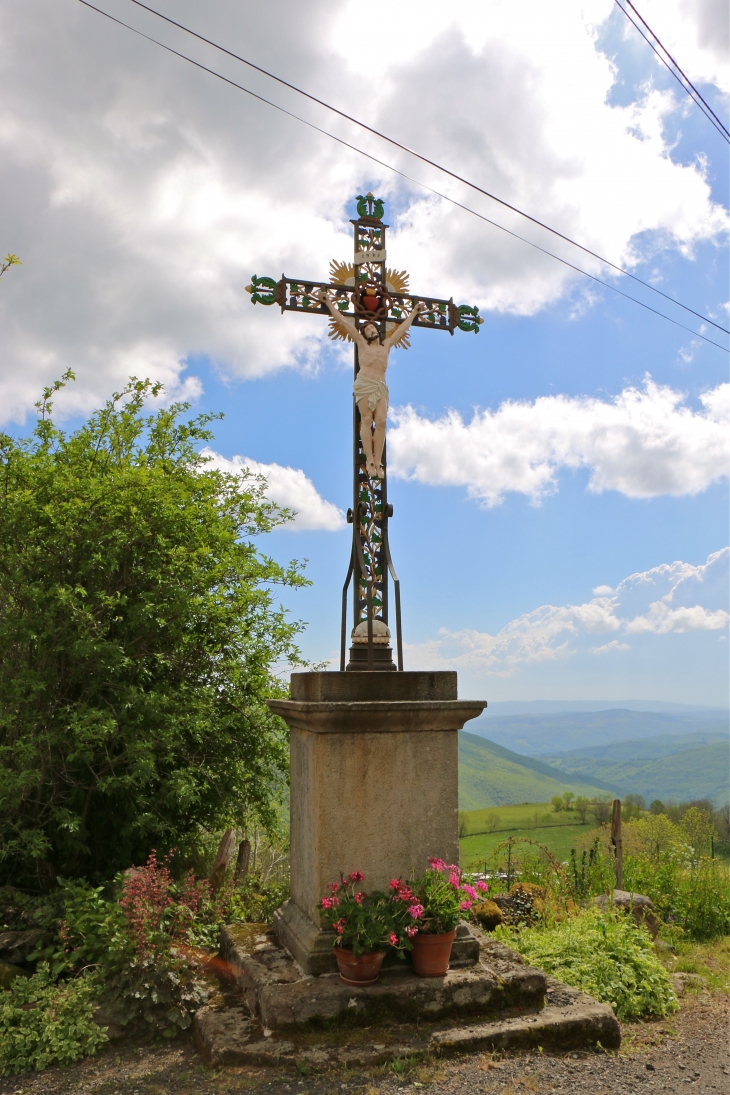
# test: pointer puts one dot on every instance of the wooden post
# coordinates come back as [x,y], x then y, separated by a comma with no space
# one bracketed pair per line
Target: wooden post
[244,856]
[223,855]
[616,841]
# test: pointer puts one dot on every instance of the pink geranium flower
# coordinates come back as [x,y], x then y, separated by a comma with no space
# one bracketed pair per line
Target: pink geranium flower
[393,939]
[469,891]
[483,887]
[359,897]
[416,911]
[454,880]
[326,902]
[465,905]
[395,883]
[411,931]
[357,876]
[437,864]
[334,886]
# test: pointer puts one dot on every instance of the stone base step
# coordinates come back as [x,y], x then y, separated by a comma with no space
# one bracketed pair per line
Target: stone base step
[228,1036]
[283,998]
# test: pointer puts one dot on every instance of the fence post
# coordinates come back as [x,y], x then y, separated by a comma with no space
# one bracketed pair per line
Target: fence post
[618,851]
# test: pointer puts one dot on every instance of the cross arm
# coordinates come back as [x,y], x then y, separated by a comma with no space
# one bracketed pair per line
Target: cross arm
[298,295]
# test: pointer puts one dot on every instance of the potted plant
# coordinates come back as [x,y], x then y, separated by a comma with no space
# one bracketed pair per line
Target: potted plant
[434,904]
[365,926]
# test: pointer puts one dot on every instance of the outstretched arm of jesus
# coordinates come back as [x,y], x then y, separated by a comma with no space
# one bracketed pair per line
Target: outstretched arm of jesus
[348,325]
[401,329]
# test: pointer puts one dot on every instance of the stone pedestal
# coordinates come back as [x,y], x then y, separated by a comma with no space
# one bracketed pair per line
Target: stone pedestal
[374,788]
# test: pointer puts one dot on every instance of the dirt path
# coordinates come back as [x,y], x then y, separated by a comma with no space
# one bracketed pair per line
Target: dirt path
[686,1052]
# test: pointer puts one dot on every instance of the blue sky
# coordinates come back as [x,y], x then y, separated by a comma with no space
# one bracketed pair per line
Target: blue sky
[559,481]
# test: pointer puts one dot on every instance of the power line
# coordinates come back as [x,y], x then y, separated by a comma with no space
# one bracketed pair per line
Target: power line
[424,159]
[397,171]
[679,75]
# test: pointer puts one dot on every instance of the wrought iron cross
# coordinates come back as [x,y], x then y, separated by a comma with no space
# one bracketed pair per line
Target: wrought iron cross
[365,291]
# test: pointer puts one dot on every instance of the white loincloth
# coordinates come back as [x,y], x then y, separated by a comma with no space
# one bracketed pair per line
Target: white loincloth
[372,390]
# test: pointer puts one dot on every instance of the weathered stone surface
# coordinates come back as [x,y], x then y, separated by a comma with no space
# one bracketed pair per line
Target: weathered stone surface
[576,1025]
[571,1020]
[277,991]
[683,981]
[640,907]
[8,973]
[16,946]
[344,687]
[223,1034]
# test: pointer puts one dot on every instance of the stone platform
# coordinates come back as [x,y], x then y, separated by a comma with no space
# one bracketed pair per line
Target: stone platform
[282,1015]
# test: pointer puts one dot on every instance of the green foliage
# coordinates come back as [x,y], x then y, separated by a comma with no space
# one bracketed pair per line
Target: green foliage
[138,641]
[590,873]
[689,890]
[253,903]
[42,1023]
[605,955]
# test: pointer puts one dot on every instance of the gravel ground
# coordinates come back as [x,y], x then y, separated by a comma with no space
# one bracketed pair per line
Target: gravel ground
[685,1052]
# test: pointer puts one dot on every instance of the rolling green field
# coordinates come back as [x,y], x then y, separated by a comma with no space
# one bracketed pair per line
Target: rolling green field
[557,831]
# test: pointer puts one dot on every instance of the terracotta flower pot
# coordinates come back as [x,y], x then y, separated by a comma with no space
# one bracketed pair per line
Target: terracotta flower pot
[431,953]
[360,970]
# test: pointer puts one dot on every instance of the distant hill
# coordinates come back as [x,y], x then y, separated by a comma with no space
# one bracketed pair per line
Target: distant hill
[548,735]
[680,767]
[559,707]
[490,775]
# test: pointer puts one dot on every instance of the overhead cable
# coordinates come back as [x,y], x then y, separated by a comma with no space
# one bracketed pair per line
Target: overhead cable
[681,77]
[424,159]
[402,174]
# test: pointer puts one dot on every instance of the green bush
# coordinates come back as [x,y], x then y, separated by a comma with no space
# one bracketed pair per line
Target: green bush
[139,640]
[702,901]
[42,1023]
[605,955]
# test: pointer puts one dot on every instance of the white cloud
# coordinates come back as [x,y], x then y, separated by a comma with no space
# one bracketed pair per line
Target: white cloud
[696,33]
[614,647]
[642,443]
[661,619]
[141,194]
[289,488]
[551,633]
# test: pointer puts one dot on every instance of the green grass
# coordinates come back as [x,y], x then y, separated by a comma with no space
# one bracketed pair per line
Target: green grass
[528,815]
[476,850]
[557,831]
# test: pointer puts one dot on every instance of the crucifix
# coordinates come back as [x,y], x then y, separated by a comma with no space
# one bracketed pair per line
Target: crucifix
[370,306]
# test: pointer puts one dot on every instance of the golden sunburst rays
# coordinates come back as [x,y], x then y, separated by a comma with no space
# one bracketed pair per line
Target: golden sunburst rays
[397,281]
[343,273]
[338,332]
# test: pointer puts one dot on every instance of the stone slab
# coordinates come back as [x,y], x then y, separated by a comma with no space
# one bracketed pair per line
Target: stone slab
[387,686]
[282,997]
[570,1020]
[312,947]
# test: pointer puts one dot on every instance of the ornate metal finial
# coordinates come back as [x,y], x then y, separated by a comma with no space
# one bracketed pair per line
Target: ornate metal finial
[370,206]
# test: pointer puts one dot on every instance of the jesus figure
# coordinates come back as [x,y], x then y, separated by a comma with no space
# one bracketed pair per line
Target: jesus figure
[370,389]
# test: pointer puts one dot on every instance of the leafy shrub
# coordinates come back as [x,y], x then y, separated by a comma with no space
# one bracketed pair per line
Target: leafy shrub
[139,639]
[702,901]
[42,1023]
[605,955]
[255,902]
